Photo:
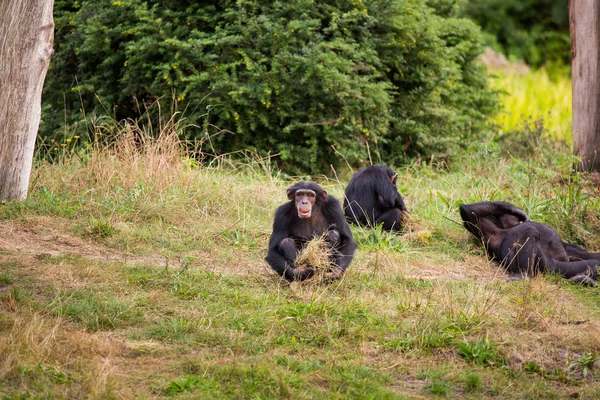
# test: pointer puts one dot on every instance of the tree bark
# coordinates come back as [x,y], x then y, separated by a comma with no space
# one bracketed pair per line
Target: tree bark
[26,39]
[584,25]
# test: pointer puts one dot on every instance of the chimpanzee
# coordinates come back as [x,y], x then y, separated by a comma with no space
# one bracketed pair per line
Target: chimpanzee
[310,213]
[525,247]
[371,198]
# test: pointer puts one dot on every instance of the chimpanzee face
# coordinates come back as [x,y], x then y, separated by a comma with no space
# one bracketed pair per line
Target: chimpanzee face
[305,200]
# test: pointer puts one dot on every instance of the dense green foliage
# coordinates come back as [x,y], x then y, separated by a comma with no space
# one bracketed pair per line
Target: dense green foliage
[314,82]
[536,31]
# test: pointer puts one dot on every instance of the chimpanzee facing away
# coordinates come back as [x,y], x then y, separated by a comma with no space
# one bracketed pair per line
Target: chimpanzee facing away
[525,247]
[310,213]
[371,198]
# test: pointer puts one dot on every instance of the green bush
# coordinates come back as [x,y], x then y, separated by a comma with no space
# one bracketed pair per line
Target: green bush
[311,81]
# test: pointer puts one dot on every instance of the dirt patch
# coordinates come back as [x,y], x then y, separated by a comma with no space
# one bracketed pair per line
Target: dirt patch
[38,238]
[43,237]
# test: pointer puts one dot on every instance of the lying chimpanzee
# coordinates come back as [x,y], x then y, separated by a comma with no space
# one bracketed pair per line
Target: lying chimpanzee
[371,198]
[310,213]
[525,247]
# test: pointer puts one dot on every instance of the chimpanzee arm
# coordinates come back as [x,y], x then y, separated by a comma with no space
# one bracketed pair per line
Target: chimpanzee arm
[473,214]
[495,208]
[282,261]
[345,247]
[388,194]
[400,203]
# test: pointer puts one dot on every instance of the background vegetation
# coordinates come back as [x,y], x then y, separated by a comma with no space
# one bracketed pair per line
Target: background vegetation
[535,31]
[316,83]
[533,101]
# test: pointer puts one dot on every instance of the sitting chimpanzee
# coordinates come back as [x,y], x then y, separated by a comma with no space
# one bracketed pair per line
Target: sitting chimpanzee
[310,213]
[525,247]
[371,198]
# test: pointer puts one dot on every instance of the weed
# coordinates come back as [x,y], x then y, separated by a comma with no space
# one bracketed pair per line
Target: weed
[183,384]
[440,387]
[377,239]
[472,381]
[101,229]
[584,364]
[240,238]
[532,366]
[481,352]
[6,278]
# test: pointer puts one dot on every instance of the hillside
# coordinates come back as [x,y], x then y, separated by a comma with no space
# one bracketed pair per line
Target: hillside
[134,272]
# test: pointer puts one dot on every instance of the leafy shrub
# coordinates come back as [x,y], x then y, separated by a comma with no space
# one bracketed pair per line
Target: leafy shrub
[302,79]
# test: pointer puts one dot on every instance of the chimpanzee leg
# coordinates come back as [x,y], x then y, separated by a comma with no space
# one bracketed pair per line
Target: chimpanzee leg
[520,252]
[522,255]
[576,253]
[392,219]
[288,249]
[570,269]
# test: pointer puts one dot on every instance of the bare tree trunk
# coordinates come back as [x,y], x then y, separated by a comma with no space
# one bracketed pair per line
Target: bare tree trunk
[584,24]
[26,39]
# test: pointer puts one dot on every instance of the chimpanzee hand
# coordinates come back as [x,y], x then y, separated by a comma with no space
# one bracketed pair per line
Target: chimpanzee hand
[333,275]
[304,272]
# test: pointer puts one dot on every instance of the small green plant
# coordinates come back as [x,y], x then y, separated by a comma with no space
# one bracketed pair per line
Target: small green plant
[440,387]
[101,229]
[532,366]
[585,364]
[183,384]
[378,239]
[481,352]
[472,381]
[6,279]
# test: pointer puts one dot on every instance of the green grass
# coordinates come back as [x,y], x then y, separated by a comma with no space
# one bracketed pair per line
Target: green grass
[535,98]
[126,277]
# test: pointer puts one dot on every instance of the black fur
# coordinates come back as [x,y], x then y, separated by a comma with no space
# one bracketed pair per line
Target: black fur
[290,233]
[525,247]
[371,198]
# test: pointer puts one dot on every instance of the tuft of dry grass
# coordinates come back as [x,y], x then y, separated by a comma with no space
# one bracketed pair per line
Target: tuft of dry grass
[317,254]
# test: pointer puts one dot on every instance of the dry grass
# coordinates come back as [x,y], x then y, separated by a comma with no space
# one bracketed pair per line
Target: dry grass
[317,254]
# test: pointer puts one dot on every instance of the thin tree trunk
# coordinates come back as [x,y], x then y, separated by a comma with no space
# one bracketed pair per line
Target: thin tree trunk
[584,24]
[26,39]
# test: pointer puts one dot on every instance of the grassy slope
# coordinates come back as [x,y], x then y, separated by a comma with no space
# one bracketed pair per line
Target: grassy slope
[137,274]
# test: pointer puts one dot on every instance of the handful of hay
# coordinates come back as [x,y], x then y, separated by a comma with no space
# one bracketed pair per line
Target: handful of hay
[318,255]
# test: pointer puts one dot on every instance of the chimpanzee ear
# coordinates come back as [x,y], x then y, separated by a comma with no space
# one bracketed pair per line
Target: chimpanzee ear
[324,195]
[290,194]
[393,177]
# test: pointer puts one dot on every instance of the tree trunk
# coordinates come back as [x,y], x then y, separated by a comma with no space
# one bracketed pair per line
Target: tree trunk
[26,39]
[584,24]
